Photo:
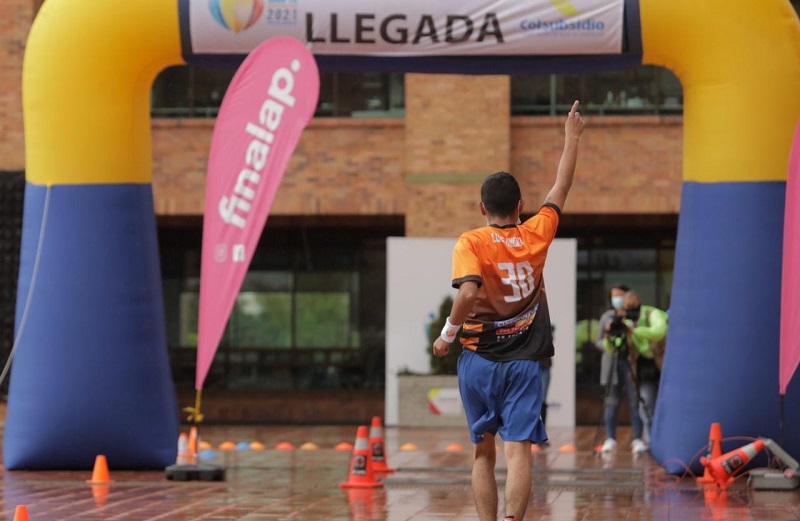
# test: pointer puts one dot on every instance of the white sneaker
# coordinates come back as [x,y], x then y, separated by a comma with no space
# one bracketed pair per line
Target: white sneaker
[638,446]
[609,445]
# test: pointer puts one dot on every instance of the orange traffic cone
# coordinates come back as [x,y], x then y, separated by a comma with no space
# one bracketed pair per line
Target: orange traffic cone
[723,468]
[183,450]
[100,473]
[194,443]
[21,513]
[714,450]
[376,447]
[361,474]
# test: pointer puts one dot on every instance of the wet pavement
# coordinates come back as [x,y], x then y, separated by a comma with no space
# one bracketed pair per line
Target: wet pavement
[430,483]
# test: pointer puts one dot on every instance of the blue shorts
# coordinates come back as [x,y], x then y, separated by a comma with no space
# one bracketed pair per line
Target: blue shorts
[501,397]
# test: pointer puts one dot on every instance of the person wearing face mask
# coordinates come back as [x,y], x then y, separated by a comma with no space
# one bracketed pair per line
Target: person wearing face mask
[647,340]
[615,373]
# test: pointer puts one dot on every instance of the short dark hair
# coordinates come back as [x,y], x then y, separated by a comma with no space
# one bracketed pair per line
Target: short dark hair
[619,285]
[500,194]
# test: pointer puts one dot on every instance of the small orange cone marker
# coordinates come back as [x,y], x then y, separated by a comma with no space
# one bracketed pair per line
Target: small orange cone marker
[100,473]
[183,450]
[194,443]
[21,513]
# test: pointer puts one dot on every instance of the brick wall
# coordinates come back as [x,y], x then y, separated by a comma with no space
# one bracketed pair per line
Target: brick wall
[340,167]
[14,26]
[430,165]
[457,130]
[625,164]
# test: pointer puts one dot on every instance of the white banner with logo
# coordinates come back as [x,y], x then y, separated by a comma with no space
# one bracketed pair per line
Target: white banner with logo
[419,271]
[410,28]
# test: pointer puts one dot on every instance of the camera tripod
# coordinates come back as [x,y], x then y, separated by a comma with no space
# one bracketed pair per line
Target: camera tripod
[609,384]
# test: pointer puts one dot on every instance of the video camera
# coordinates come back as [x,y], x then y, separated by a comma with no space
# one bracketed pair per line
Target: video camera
[618,328]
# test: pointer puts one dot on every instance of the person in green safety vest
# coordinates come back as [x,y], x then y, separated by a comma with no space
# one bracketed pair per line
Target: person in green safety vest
[615,372]
[646,341]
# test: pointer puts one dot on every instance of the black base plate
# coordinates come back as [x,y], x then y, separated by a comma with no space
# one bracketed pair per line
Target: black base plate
[195,473]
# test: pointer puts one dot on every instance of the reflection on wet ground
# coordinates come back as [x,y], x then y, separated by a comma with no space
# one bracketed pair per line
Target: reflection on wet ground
[430,482]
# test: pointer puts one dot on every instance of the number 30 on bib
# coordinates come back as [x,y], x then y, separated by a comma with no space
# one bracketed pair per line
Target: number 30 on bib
[520,278]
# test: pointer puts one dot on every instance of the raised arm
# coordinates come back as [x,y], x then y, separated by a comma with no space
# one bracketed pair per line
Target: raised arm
[573,128]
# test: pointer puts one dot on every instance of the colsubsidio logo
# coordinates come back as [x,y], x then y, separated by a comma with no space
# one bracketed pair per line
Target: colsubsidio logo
[236,15]
[565,7]
[568,10]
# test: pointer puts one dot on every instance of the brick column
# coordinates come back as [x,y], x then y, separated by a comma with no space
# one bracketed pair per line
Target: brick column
[14,26]
[457,132]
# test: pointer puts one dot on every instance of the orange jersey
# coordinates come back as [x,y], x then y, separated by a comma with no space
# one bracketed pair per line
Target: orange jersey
[510,319]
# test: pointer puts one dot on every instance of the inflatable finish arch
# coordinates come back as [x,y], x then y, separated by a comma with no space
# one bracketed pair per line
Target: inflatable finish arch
[91,368]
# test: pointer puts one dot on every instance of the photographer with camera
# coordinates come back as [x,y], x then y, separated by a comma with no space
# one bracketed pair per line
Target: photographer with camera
[615,371]
[635,338]
[647,340]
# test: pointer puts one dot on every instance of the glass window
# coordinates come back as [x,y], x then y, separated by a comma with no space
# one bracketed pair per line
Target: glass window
[324,281]
[275,317]
[207,87]
[670,91]
[189,301]
[171,95]
[617,253]
[310,313]
[190,91]
[323,320]
[634,267]
[326,106]
[666,262]
[642,90]
[277,280]
[364,95]
[531,94]
[261,320]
